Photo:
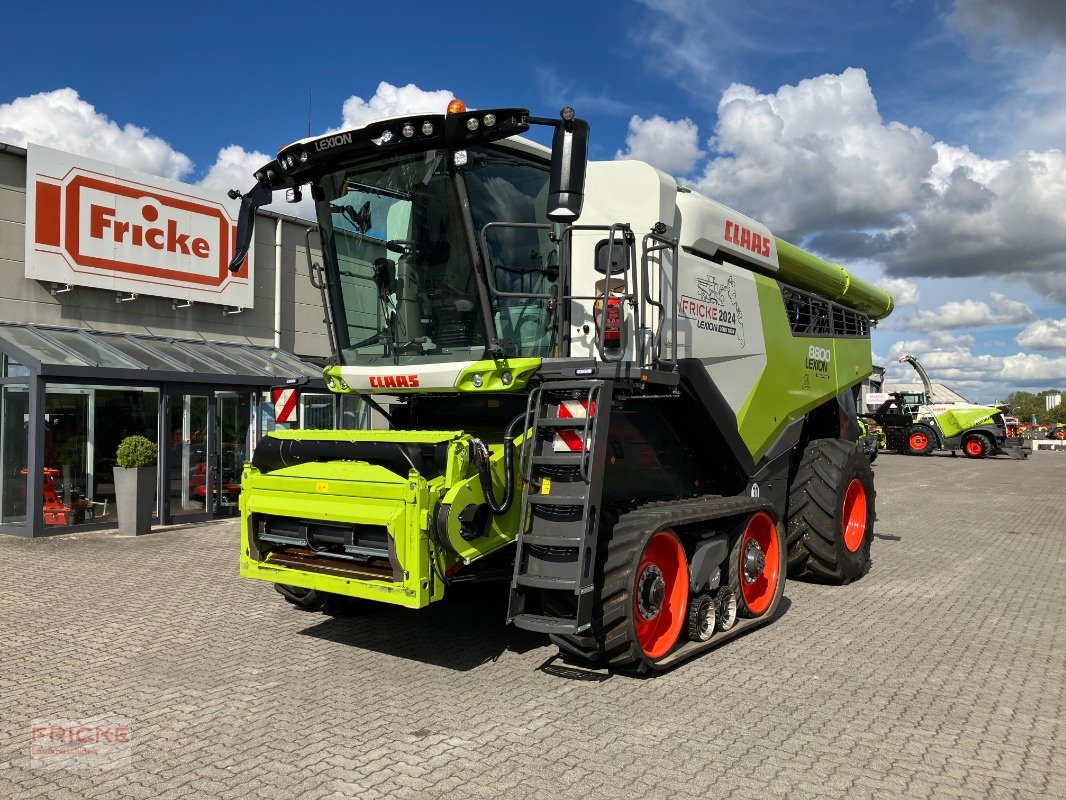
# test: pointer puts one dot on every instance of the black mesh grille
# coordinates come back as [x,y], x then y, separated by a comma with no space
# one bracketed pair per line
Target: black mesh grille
[810,315]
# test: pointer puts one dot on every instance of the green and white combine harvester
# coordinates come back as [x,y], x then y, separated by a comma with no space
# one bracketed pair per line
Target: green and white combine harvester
[645,419]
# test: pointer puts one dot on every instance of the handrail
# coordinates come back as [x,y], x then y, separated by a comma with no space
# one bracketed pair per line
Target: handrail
[634,291]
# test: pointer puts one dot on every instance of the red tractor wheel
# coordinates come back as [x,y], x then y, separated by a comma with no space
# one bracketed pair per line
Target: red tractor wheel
[920,441]
[757,564]
[976,445]
[660,595]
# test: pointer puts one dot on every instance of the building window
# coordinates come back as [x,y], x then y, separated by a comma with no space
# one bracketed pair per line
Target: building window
[83,426]
[13,369]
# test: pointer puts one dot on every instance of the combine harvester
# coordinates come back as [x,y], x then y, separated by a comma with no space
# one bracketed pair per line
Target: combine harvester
[645,419]
[914,424]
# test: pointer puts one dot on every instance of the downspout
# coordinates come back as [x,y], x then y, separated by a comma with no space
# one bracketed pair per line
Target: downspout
[277,282]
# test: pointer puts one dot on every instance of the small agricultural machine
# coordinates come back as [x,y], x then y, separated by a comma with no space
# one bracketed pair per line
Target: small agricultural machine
[914,424]
[636,403]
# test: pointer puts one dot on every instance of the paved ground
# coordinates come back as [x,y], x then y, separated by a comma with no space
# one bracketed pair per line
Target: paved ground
[941,674]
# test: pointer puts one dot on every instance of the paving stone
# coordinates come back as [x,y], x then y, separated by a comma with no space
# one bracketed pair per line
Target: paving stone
[940,674]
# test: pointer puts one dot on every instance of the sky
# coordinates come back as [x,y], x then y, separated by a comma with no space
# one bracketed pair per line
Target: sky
[920,143]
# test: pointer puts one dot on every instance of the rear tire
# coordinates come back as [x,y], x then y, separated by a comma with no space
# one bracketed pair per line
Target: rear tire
[976,445]
[921,441]
[831,513]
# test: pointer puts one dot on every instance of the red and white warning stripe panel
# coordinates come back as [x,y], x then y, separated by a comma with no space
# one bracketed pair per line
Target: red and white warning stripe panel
[285,405]
[570,441]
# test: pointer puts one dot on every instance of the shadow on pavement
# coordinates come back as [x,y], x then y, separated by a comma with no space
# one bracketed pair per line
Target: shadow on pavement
[461,632]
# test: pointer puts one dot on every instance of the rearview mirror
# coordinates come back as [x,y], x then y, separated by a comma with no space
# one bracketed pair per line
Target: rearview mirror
[260,195]
[566,185]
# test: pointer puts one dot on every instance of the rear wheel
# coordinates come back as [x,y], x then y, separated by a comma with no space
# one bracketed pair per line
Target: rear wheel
[831,513]
[976,445]
[920,441]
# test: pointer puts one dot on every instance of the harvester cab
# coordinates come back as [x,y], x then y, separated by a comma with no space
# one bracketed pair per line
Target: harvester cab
[632,400]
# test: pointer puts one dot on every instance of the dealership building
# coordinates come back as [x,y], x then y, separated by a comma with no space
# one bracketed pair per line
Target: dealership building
[119,316]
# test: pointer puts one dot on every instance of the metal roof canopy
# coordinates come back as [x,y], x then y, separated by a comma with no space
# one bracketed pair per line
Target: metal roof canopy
[77,354]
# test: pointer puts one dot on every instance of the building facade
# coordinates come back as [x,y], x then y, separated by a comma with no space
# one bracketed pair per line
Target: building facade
[92,358]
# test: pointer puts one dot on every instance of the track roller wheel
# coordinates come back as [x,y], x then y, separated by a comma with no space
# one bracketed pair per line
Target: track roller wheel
[831,513]
[702,618]
[756,565]
[726,604]
[976,445]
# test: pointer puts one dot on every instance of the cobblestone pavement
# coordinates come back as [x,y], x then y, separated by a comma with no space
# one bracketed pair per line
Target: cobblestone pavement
[941,674]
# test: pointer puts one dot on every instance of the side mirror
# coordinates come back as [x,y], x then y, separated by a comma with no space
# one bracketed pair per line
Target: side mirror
[260,195]
[566,185]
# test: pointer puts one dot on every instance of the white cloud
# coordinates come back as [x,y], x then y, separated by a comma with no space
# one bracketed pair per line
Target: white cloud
[816,162]
[903,291]
[1044,334]
[62,120]
[669,145]
[939,340]
[972,314]
[815,156]
[982,376]
[394,101]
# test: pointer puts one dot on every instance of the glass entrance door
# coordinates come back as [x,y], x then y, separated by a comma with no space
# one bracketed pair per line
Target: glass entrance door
[189,470]
[233,420]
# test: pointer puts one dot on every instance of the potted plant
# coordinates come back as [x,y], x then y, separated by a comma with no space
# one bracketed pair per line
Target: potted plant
[135,484]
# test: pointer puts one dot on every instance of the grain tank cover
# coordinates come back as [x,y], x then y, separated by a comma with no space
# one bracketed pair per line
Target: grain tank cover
[709,227]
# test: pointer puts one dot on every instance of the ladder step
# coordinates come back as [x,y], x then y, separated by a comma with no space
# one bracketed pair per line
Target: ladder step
[559,460]
[545,582]
[565,422]
[555,501]
[551,541]
[542,624]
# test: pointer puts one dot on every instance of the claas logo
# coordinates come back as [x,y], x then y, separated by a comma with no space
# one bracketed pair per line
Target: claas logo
[393,381]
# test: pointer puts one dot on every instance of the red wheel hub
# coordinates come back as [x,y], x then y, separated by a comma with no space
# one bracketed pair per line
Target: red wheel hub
[660,594]
[760,563]
[919,441]
[853,515]
[975,447]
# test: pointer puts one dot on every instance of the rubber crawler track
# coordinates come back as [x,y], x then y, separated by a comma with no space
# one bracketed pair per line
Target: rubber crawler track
[612,639]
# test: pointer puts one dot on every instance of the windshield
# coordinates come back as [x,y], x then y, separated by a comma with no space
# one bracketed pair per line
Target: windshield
[403,288]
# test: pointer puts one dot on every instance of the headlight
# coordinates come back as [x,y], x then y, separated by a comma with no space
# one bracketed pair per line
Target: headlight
[427,128]
[472,124]
[408,130]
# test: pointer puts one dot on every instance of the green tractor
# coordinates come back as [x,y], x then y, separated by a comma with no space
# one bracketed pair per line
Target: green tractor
[635,403]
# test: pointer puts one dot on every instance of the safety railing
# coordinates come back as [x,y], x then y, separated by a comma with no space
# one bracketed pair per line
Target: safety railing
[634,291]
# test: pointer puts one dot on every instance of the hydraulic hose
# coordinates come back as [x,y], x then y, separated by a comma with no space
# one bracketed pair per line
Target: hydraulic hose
[481,462]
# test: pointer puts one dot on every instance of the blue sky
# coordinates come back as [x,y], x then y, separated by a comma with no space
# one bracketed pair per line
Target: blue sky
[916,141]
